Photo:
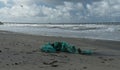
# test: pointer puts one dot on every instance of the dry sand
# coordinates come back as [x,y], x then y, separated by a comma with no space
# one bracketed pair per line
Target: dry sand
[22,52]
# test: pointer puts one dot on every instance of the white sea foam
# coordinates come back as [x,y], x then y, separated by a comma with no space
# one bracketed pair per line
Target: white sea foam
[97,31]
[71,26]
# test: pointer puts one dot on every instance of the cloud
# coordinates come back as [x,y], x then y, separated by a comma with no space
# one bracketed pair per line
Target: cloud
[99,8]
[59,10]
[30,9]
[104,7]
[104,10]
[4,1]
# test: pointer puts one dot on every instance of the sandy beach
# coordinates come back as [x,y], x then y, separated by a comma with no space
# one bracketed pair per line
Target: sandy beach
[22,52]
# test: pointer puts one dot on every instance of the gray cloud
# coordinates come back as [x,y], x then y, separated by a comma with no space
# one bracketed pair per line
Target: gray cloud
[59,10]
[58,2]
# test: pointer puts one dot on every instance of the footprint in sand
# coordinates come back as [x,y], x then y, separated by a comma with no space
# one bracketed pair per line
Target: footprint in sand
[105,59]
[85,67]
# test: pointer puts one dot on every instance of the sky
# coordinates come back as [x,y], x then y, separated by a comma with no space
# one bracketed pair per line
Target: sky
[59,11]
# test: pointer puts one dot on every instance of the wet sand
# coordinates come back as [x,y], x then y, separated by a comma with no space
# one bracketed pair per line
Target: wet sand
[22,52]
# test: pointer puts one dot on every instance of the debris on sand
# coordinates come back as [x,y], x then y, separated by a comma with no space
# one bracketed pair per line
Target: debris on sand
[63,47]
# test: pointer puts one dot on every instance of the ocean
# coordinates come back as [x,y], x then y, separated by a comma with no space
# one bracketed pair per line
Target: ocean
[92,31]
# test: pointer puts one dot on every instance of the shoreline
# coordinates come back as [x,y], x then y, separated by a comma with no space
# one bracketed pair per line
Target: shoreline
[59,36]
[103,32]
[21,51]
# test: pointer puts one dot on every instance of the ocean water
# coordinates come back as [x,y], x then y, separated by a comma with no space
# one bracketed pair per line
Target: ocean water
[94,31]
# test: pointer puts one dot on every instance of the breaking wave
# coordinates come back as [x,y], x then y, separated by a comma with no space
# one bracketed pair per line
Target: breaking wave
[96,31]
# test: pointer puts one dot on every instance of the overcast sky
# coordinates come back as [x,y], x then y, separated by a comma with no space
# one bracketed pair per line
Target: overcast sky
[59,11]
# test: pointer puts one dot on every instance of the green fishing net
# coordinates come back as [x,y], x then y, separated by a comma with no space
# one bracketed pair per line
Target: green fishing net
[63,47]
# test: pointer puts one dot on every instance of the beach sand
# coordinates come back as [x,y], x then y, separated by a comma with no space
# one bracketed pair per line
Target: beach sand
[22,52]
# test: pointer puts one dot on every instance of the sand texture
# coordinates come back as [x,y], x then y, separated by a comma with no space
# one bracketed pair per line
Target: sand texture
[22,52]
